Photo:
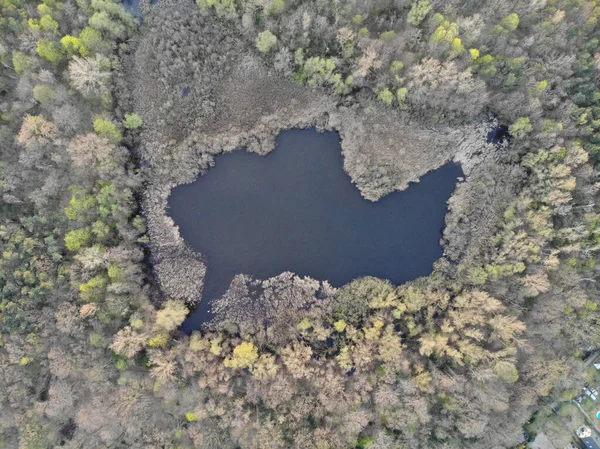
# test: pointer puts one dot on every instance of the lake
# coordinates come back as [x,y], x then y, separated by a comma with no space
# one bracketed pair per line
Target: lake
[297,210]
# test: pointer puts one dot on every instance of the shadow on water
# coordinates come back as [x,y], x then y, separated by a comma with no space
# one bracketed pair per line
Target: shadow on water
[297,210]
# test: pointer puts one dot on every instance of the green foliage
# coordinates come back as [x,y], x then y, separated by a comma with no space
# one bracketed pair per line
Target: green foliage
[110,17]
[396,67]
[107,129]
[43,93]
[74,45]
[386,96]
[478,276]
[223,8]
[521,127]
[132,121]
[510,22]
[96,340]
[446,32]
[506,371]
[540,87]
[80,205]
[114,272]
[93,290]
[340,325]
[456,48]
[277,7]
[364,442]
[351,303]
[21,62]
[102,21]
[77,238]
[266,41]
[121,363]
[320,71]
[92,41]
[244,356]
[49,25]
[387,35]
[107,198]
[304,325]
[101,230]
[357,19]
[418,12]
[191,417]
[50,50]
[159,340]
[401,94]
[34,435]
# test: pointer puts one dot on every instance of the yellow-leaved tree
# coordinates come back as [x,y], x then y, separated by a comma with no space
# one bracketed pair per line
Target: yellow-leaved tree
[244,356]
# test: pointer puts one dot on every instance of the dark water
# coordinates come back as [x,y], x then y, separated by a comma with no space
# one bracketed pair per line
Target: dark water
[498,134]
[296,210]
[133,7]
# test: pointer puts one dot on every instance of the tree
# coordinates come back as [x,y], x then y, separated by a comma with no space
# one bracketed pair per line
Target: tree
[77,238]
[50,50]
[510,22]
[21,62]
[521,127]
[163,366]
[89,75]
[418,12]
[128,342]
[89,149]
[244,356]
[73,45]
[368,60]
[295,358]
[108,130]
[92,40]
[36,130]
[171,315]
[102,21]
[266,41]
[223,8]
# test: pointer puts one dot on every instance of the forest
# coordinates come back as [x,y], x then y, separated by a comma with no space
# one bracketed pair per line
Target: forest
[103,112]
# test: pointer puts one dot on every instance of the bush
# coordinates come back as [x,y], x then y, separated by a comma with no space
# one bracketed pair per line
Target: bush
[396,67]
[387,35]
[132,121]
[266,41]
[386,96]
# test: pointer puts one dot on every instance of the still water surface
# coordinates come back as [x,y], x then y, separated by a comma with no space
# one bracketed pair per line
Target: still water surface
[297,210]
